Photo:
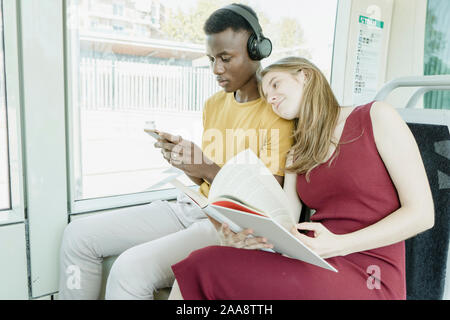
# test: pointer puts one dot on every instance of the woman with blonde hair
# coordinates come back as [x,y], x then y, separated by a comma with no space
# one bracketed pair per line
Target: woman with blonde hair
[360,169]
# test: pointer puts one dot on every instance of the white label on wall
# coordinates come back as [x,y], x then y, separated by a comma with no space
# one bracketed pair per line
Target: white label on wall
[368,58]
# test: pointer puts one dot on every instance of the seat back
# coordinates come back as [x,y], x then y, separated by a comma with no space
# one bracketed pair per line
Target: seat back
[427,253]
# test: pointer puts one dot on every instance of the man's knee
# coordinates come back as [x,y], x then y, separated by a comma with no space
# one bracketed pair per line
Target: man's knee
[77,237]
[123,268]
[132,278]
[130,270]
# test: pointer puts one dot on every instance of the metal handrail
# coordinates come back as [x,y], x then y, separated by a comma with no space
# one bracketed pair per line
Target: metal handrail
[412,102]
[415,81]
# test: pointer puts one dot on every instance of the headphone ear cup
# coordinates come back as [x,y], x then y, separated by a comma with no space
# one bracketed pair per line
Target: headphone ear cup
[252,47]
[264,48]
[258,50]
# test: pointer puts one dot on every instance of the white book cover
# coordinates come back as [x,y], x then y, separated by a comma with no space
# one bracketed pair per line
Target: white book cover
[245,194]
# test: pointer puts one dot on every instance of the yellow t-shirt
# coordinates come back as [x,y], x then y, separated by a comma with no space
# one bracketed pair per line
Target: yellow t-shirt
[230,127]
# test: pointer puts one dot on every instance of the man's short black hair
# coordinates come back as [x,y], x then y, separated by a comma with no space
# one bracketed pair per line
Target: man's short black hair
[222,19]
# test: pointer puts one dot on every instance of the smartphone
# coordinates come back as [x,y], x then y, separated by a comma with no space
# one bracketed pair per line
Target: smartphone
[154,134]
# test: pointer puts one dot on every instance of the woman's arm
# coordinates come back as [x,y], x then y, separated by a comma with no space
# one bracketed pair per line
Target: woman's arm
[400,153]
[398,149]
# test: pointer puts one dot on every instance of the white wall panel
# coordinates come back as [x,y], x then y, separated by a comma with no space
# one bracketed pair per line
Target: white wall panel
[13,263]
[406,47]
[346,43]
[42,42]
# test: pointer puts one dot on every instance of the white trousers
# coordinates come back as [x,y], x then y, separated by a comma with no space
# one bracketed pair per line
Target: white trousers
[149,239]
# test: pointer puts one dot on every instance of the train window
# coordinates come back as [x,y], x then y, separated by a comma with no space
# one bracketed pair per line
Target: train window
[4,161]
[137,62]
[437,50]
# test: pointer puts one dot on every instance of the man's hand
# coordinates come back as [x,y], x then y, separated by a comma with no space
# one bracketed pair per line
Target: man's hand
[187,156]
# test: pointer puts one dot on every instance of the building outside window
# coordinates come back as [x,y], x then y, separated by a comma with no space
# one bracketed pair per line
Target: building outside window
[156,70]
[4,160]
[437,50]
[118,9]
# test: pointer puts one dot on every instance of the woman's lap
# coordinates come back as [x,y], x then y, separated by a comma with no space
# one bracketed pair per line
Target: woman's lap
[226,273]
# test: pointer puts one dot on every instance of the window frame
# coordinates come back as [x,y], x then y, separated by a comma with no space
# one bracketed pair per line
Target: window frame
[13,101]
[81,206]
[5,118]
[42,94]
[340,44]
[39,105]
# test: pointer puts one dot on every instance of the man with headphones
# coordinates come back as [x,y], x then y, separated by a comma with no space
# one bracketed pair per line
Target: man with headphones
[235,45]
[149,239]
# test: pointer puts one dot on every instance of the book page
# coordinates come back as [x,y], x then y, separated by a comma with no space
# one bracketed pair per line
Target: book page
[246,178]
[236,205]
[283,241]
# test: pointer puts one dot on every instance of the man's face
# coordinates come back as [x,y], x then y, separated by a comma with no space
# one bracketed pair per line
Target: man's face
[229,58]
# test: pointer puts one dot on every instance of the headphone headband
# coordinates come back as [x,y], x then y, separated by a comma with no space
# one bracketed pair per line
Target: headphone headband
[258,46]
[251,19]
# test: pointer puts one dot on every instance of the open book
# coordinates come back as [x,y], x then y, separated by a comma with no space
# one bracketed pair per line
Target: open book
[245,194]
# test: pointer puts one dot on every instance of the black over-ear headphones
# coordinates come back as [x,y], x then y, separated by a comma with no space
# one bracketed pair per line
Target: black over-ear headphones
[258,46]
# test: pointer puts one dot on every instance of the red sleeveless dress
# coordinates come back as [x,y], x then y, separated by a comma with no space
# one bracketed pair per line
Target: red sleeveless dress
[355,191]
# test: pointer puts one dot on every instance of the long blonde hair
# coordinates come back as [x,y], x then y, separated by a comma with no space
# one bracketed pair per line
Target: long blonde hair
[317,118]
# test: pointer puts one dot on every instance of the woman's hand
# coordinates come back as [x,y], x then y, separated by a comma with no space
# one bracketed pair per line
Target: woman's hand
[241,239]
[325,243]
